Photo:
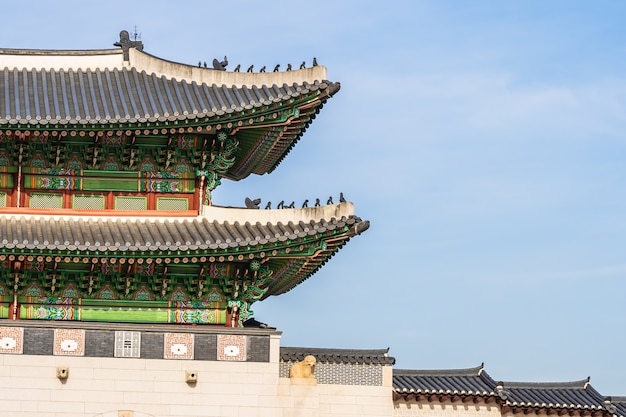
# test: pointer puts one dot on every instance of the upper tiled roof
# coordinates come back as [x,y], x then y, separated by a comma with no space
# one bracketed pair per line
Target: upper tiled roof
[112,91]
[48,96]
[352,356]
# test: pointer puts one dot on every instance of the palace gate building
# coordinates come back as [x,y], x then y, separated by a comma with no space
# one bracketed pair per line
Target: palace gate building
[126,291]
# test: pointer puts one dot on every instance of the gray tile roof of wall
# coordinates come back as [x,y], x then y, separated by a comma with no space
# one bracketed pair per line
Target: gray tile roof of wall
[470,381]
[616,405]
[352,356]
[117,235]
[576,395]
[50,97]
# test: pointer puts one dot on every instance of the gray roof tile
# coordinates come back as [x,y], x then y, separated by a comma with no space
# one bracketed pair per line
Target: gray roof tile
[354,356]
[471,381]
[577,395]
[117,234]
[125,95]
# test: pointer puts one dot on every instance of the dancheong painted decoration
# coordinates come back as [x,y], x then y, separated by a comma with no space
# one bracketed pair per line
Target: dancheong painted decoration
[107,163]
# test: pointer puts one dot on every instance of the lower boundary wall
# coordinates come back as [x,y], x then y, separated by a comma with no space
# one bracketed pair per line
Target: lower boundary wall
[52,372]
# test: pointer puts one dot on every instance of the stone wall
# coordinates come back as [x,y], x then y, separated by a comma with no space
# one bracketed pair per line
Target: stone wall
[102,370]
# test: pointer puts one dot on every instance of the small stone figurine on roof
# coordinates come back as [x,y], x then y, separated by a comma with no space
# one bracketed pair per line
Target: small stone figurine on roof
[220,65]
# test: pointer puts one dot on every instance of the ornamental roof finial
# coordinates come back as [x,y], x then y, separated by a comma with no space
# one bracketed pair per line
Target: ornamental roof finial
[125,43]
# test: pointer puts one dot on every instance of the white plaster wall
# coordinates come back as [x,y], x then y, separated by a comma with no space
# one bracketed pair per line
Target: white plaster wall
[57,60]
[224,214]
[152,64]
[113,58]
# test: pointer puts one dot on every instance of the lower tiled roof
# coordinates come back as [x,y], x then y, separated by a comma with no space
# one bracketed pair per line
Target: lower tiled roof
[119,235]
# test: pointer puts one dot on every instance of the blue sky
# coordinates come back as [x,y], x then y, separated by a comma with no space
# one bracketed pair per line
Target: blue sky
[485,142]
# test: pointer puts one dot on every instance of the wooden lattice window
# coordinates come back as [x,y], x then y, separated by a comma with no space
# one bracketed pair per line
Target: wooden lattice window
[3,199]
[126,202]
[172,203]
[46,200]
[88,202]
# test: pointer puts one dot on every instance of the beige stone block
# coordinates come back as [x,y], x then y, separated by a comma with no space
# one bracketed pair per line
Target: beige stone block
[229,367]
[10,408]
[280,401]
[113,374]
[155,375]
[42,381]
[154,398]
[7,393]
[166,364]
[270,378]
[338,399]
[134,386]
[270,412]
[303,413]
[179,386]
[351,410]
[63,407]
[110,409]
[259,389]
[304,401]
[229,411]
[103,385]
[249,411]
[251,401]
[29,407]
[28,360]
[87,396]
[193,410]
[189,398]
[31,371]
[225,389]
[123,363]
[261,367]
[78,362]
[245,379]
[375,411]
[283,388]
[385,400]
[140,410]
[208,377]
